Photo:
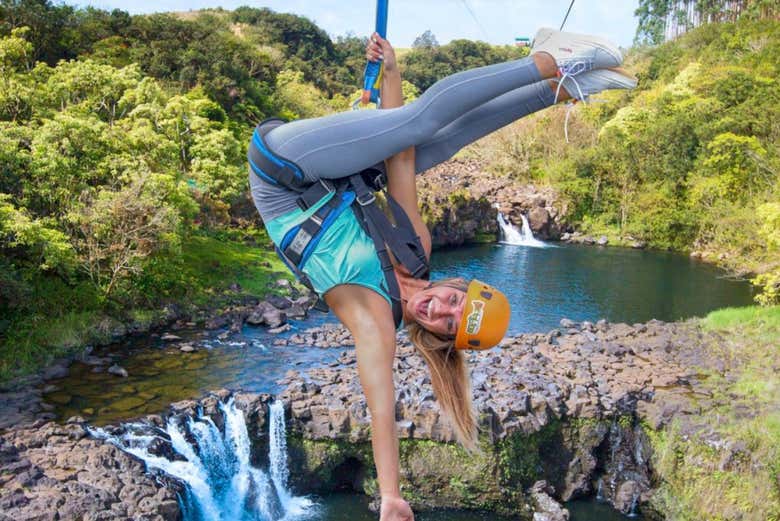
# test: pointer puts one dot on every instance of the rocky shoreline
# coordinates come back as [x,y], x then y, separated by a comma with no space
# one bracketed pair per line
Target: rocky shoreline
[571,407]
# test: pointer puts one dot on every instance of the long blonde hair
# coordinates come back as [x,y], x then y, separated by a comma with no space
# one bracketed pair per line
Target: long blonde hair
[449,375]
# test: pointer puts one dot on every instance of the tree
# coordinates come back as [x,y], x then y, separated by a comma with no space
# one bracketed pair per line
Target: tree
[118,229]
[426,40]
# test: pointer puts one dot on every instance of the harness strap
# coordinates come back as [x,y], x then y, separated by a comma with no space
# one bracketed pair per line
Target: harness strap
[271,167]
[401,239]
[358,191]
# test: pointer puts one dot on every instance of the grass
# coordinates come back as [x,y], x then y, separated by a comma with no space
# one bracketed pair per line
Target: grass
[752,317]
[60,319]
[217,263]
[703,479]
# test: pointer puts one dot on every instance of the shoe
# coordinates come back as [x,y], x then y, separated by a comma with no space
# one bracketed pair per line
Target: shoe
[581,86]
[576,53]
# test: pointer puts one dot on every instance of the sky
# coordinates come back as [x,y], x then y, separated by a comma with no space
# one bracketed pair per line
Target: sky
[495,21]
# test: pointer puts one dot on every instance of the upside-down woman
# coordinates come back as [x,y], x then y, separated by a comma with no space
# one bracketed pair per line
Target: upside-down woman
[344,264]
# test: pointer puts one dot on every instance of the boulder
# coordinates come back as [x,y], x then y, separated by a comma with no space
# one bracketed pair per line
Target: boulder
[117,370]
[540,221]
[545,507]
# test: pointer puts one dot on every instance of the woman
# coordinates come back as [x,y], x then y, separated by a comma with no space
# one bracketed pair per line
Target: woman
[442,317]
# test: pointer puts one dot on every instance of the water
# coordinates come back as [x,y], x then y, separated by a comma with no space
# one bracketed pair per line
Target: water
[544,285]
[522,237]
[222,484]
[589,283]
[160,374]
[351,507]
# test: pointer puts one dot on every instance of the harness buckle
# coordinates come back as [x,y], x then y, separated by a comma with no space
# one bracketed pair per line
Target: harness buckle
[365,201]
[380,181]
[299,242]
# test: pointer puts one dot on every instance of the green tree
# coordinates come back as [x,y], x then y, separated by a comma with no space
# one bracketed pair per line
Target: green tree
[426,40]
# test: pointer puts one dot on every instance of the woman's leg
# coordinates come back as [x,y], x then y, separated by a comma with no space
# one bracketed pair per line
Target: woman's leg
[483,120]
[345,143]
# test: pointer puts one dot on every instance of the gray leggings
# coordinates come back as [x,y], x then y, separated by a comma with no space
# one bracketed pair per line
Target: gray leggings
[454,112]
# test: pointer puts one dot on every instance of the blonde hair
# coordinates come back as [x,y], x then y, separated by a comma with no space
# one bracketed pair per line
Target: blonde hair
[449,375]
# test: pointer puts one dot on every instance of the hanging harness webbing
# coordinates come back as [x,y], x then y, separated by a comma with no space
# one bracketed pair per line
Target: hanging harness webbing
[356,191]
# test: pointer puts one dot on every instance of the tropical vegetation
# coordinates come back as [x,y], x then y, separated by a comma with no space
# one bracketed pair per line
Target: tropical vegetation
[122,142]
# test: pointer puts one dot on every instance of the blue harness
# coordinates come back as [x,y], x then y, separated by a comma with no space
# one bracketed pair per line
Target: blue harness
[356,191]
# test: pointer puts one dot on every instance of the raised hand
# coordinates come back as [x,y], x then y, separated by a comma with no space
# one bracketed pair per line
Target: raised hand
[380,49]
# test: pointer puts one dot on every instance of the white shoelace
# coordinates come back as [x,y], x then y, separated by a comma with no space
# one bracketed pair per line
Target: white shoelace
[569,72]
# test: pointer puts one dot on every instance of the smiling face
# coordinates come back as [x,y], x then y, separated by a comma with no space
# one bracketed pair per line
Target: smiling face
[438,309]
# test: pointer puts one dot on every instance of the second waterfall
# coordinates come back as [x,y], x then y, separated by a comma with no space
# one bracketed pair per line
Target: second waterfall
[214,465]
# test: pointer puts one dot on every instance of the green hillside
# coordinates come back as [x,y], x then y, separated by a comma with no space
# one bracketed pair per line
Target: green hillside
[122,152]
[688,161]
[123,179]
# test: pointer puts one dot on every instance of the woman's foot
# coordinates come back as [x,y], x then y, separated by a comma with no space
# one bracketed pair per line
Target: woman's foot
[592,82]
[576,53]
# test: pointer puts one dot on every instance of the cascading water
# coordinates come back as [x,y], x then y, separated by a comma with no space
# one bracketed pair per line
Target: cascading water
[221,483]
[523,237]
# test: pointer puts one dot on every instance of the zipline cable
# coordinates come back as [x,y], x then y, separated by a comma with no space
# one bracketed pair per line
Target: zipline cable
[567,15]
[476,20]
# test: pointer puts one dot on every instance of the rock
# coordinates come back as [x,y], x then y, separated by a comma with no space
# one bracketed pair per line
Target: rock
[217,322]
[186,348]
[169,337]
[56,370]
[545,507]
[281,329]
[567,324]
[540,221]
[279,302]
[274,318]
[626,498]
[117,370]
[639,245]
[65,474]
[603,241]
[296,312]
[283,283]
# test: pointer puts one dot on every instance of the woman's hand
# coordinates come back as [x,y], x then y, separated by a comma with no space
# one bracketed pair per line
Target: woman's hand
[380,49]
[395,509]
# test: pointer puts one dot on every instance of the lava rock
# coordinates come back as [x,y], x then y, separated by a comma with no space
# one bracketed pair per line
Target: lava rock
[117,370]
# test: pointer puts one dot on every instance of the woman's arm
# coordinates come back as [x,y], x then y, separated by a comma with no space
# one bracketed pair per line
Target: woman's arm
[368,317]
[401,179]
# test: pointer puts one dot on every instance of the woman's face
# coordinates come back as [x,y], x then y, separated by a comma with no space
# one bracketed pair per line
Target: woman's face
[437,309]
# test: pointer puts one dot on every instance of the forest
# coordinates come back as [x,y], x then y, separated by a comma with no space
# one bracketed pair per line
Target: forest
[122,149]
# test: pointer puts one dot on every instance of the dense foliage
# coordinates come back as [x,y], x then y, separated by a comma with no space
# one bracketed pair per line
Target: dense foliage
[688,161]
[122,142]
[428,62]
[663,19]
[122,149]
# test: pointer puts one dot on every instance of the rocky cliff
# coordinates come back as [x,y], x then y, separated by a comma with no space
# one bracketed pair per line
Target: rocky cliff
[572,407]
[459,201]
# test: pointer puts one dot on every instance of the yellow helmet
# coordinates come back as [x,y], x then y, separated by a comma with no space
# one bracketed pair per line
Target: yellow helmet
[485,317]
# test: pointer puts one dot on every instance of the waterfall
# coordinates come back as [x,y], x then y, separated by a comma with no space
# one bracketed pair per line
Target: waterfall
[632,511]
[221,483]
[523,237]
[277,451]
